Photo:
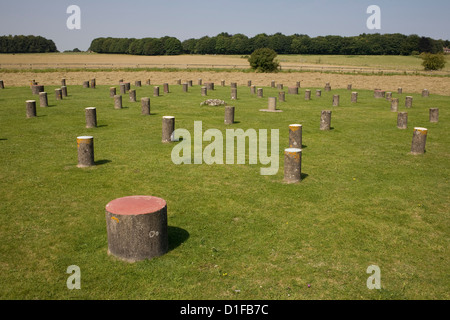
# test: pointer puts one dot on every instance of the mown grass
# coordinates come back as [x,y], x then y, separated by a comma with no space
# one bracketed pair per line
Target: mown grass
[233,233]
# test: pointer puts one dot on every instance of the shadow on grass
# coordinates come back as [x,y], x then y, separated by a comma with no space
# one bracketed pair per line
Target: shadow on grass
[303,176]
[101,162]
[176,237]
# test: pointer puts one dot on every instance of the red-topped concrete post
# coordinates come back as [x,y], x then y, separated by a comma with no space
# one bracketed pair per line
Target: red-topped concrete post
[137,228]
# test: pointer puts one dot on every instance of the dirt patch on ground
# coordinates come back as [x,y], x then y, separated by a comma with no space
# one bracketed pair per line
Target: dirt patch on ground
[410,83]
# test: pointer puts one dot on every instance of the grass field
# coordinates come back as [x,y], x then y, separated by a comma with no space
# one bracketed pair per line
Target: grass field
[233,233]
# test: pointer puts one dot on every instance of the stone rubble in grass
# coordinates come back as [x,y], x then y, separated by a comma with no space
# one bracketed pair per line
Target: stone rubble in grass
[213,102]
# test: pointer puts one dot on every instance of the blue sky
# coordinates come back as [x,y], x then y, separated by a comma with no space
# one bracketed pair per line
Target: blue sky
[185,19]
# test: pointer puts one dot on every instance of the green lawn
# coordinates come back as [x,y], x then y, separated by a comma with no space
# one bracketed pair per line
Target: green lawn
[233,233]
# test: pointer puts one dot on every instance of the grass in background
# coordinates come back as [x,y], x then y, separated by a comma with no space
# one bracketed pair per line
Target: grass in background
[233,233]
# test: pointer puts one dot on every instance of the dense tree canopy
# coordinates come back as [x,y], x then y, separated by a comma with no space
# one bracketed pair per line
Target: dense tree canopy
[26,44]
[224,43]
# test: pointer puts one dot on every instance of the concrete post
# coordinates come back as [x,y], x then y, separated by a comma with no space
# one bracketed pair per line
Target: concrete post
[292,165]
[85,146]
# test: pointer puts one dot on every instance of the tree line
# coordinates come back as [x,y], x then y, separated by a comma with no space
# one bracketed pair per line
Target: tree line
[26,44]
[224,43]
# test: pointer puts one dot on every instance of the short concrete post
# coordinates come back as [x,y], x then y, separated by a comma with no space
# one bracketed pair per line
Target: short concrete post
[156,91]
[127,86]
[253,89]
[36,89]
[388,96]
[249,83]
[327,87]
[378,93]
[292,165]
[31,108]
[85,145]
[318,93]
[402,120]
[419,140]
[85,84]
[280,86]
[43,100]
[93,83]
[91,117]
[394,104]
[117,102]
[64,91]
[166,88]
[295,136]
[349,86]
[200,82]
[272,103]
[259,92]
[137,228]
[434,115]
[2,84]
[189,83]
[168,127]
[272,84]
[145,106]
[282,96]
[409,102]
[179,82]
[112,92]
[132,95]
[335,100]
[148,82]
[229,115]
[222,83]
[307,94]
[425,93]
[210,85]
[63,82]
[233,93]
[400,90]
[123,88]
[297,84]
[185,87]
[293,90]
[325,120]
[354,98]
[138,83]
[233,85]
[58,94]
[204,91]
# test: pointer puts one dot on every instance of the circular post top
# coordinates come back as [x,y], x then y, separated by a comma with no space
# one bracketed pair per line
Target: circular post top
[90,108]
[292,150]
[85,137]
[135,205]
[168,117]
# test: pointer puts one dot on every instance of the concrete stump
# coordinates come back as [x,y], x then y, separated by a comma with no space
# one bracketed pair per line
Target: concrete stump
[185,87]
[282,96]
[336,100]
[327,87]
[64,91]
[233,85]
[156,91]
[222,83]
[85,146]
[253,89]
[200,82]
[91,117]
[229,115]
[349,86]
[292,165]
[378,94]
[297,84]
[179,81]
[409,102]
[259,92]
[295,136]
[117,102]
[112,92]
[132,95]
[204,91]
[93,83]
[127,86]
[148,82]
[233,93]
[354,98]
[168,127]
[85,84]
[137,228]
[293,90]
[249,83]
[2,84]
[43,100]
[31,108]
[272,84]
[425,93]
[400,90]
[63,82]
[138,83]
[318,93]
[388,96]
[209,85]
[123,88]
[145,106]
[308,94]
[189,83]
[325,120]
[402,120]
[434,115]
[394,104]
[36,89]
[58,94]
[272,103]
[280,86]
[120,81]
[419,140]
[166,88]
